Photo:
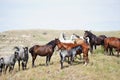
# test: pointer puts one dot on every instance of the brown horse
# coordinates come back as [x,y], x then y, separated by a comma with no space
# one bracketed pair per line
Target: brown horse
[110,43]
[43,50]
[69,46]
[85,48]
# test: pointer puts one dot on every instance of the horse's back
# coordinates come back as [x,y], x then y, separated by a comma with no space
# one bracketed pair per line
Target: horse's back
[112,42]
[41,50]
[8,59]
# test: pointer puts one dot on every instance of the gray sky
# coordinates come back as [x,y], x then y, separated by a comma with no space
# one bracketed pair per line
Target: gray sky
[99,15]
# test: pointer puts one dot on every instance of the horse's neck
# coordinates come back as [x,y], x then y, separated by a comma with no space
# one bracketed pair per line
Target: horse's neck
[62,36]
[91,36]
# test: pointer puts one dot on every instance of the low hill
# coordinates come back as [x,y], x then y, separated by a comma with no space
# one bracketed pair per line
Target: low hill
[100,67]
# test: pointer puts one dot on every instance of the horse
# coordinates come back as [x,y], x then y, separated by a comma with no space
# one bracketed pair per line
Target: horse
[22,56]
[71,53]
[9,61]
[1,65]
[43,50]
[62,38]
[94,40]
[75,36]
[110,43]
[68,46]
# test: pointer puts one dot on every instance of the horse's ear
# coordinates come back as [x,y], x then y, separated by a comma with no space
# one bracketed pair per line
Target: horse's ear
[85,30]
[56,38]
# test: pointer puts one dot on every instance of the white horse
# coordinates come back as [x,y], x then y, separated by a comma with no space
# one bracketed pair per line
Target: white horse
[75,36]
[63,39]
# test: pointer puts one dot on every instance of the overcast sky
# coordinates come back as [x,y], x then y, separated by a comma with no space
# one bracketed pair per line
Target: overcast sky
[99,15]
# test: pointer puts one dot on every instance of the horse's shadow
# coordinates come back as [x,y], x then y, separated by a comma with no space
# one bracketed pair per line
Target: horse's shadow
[77,63]
[42,65]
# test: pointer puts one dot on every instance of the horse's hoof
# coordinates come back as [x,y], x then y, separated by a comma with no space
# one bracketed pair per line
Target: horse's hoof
[85,64]
[61,67]
[33,66]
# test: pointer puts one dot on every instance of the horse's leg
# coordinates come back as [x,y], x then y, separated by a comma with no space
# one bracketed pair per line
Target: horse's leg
[118,53]
[95,46]
[26,64]
[68,60]
[111,51]
[91,48]
[10,68]
[79,53]
[23,65]
[47,59]
[85,56]
[33,60]
[6,69]
[71,59]
[105,49]
[19,64]
[62,60]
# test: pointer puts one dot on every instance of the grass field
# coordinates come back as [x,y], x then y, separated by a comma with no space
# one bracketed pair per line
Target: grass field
[100,67]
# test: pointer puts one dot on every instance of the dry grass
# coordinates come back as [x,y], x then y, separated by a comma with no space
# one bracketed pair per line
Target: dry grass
[100,67]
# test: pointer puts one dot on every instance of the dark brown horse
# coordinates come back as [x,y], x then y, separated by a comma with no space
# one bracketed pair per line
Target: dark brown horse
[69,46]
[94,40]
[43,50]
[110,43]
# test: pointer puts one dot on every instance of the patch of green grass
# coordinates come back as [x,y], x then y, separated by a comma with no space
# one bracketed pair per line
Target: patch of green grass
[99,50]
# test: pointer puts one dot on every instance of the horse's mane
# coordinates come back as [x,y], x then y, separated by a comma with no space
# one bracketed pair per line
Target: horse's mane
[50,43]
[89,32]
[62,36]
[76,35]
[53,43]
[17,48]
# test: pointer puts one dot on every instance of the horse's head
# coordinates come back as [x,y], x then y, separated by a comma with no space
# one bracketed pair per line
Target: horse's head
[58,43]
[87,34]
[16,54]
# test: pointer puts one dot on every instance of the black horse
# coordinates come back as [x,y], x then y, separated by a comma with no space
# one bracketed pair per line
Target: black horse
[43,50]
[94,40]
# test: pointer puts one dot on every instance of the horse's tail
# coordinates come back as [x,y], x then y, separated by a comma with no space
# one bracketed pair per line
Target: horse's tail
[103,41]
[17,48]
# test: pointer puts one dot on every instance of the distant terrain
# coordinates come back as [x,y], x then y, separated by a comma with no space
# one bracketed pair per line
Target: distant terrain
[100,67]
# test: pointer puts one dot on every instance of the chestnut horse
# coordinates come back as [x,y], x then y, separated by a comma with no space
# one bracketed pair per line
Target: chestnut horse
[110,43]
[85,48]
[43,50]
[69,46]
